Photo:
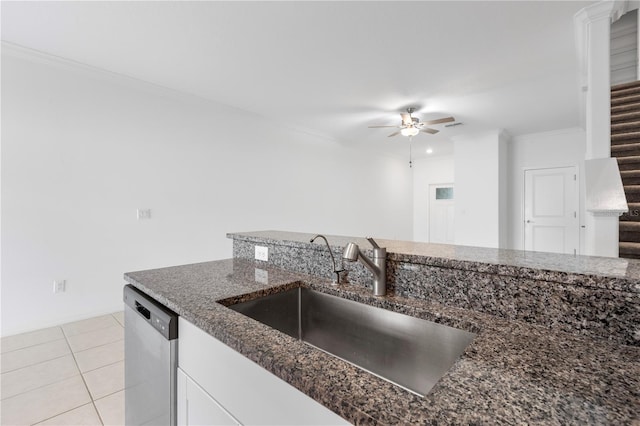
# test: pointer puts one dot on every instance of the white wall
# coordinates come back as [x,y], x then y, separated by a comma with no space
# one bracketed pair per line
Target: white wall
[559,148]
[428,171]
[478,212]
[479,161]
[503,189]
[82,150]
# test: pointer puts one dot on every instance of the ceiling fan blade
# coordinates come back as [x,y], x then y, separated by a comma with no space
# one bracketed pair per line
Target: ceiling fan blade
[430,131]
[393,134]
[440,120]
[376,127]
[406,118]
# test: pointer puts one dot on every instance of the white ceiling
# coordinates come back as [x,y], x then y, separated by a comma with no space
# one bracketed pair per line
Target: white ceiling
[333,67]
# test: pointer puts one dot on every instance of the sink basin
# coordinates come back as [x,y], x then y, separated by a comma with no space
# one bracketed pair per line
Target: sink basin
[410,352]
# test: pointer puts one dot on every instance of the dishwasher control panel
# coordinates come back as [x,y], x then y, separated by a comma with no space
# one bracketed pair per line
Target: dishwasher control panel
[159,324]
[164,320]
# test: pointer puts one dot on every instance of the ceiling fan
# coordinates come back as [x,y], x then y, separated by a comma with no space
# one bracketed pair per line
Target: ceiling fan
[411,126]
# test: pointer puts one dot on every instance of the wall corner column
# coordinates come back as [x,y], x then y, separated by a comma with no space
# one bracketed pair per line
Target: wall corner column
[593,33]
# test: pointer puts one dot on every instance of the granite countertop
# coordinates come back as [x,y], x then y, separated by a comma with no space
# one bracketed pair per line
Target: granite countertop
[593,271]
[512,373]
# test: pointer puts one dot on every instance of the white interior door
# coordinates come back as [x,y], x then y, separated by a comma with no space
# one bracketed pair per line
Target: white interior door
[441,211]
[551,210]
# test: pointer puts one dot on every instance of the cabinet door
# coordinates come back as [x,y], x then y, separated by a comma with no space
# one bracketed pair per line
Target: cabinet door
[250,393]
[196,407]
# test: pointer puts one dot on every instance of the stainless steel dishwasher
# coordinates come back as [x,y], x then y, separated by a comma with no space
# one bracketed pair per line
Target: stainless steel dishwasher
[151,360]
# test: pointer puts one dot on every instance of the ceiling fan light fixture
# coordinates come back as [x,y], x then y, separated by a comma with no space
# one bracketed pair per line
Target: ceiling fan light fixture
[409,131]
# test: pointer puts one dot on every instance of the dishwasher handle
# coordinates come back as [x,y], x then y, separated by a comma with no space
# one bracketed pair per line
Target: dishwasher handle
[144,311]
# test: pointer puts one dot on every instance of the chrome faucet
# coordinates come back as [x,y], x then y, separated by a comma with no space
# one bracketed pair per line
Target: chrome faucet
[336,271]
[378,265]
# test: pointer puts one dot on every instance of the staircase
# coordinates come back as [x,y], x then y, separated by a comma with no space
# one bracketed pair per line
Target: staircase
[625,146]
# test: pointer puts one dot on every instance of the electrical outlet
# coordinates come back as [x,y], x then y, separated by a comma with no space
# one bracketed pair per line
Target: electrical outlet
[144,214]
[59,286]
[262,253]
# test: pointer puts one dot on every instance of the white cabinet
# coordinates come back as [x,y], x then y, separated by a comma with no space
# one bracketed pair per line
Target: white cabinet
[247,392]
[196,407]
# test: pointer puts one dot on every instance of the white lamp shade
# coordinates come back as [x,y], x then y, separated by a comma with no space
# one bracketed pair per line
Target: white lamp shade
[409,131]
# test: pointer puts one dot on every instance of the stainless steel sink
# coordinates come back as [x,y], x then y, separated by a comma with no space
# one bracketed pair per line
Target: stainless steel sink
[408,351]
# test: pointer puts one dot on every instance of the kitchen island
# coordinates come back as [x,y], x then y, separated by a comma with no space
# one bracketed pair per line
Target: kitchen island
[514,371]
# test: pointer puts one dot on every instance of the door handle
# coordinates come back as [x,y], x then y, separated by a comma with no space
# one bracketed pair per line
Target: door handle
[530,221]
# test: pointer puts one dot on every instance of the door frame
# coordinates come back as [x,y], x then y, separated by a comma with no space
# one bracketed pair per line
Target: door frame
[576,169]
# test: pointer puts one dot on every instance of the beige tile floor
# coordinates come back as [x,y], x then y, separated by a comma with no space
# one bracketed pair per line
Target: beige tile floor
[67,375]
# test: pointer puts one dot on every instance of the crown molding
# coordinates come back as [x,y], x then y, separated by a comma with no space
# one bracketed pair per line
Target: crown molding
[497,133]
[549,133]
[24,53]
[36,56]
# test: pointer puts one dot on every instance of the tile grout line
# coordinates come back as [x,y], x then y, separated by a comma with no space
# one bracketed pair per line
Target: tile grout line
[109,394]
[71,352]
[49,384]
[117,320]
[30,346]
[65,412]
[112,314]
[64,335]
[93,401]
[39,387]
[101,329]
[89,319]
[97,412]
[98,346]
[36,363]
[98,368]
[93,331]
[29,332]
[83,381]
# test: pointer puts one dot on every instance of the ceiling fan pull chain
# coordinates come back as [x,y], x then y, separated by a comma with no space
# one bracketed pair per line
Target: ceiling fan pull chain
[410,156]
